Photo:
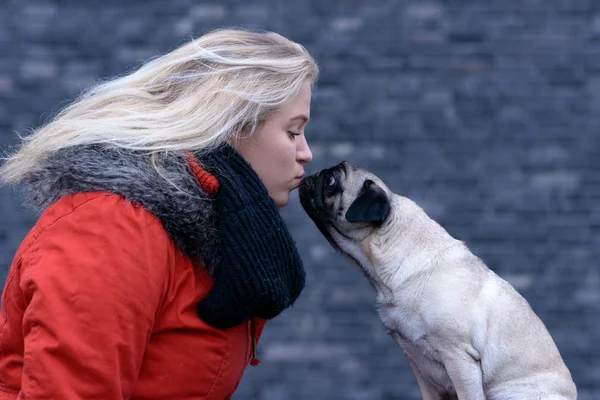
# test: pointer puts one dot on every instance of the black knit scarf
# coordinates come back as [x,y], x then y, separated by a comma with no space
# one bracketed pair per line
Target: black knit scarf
[260,272]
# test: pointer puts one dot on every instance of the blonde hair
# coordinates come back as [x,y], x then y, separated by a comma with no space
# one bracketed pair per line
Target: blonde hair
[208,91]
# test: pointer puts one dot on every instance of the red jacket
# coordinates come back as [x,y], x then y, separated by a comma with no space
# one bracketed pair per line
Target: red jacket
[100,303]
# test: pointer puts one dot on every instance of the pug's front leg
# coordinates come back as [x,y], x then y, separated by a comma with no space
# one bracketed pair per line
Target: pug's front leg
[466,376]
[428,391]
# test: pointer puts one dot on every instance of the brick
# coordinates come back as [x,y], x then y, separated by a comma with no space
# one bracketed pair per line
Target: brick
[208,12]
[348,24]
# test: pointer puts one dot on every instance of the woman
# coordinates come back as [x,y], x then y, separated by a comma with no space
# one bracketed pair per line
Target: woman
[160,252]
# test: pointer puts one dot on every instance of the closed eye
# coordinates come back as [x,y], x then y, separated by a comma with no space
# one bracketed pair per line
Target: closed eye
[293,134]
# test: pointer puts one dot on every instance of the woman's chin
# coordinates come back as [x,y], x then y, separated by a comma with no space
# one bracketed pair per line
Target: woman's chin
[281,199]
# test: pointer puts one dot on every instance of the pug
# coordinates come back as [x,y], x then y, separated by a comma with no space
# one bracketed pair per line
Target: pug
[467,333]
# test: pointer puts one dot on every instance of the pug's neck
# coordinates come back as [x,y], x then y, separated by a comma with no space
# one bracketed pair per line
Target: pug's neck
[410,243]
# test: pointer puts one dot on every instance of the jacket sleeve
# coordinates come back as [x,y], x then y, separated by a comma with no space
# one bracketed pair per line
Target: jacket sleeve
[92,282]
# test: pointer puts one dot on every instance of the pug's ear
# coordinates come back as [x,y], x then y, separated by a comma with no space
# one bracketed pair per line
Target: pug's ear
[372,205]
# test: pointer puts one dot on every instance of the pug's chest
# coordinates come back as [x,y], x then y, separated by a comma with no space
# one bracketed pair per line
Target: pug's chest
[410,330]
[426,363]
[412,336]
[407,324]
[420,349]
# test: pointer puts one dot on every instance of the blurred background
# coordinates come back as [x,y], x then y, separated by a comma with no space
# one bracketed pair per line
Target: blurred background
[487,113]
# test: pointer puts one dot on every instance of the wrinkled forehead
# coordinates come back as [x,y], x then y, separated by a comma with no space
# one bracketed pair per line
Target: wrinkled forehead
[354,178]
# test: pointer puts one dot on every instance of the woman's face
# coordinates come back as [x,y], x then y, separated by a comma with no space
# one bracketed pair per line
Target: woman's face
[278,149]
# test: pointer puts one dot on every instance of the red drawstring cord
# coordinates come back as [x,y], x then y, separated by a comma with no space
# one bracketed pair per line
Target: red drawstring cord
[208,182]
[254,361]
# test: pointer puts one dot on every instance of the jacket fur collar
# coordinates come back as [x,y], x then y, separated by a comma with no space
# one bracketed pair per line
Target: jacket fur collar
[175,198]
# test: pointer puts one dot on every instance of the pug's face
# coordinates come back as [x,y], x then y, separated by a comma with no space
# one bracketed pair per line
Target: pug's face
[351,207]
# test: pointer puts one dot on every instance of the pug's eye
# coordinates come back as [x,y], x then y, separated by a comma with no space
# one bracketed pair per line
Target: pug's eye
[330,179]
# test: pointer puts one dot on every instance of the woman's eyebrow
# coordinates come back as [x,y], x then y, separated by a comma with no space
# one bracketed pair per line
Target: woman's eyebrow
[300,117]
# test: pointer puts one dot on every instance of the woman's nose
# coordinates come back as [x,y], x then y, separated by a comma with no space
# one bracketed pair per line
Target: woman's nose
[304,155]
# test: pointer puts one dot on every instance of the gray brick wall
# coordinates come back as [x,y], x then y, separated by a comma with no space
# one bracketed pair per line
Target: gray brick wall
[486,113]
